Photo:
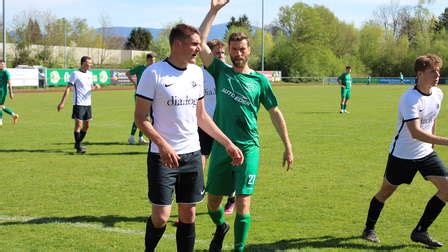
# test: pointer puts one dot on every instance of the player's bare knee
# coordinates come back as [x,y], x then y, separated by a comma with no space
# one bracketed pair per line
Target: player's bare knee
[243,204]
[214,202]
[187,213]
[384,193]
[159,220]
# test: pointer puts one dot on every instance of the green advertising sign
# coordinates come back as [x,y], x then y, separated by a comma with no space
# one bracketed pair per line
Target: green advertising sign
[60,77]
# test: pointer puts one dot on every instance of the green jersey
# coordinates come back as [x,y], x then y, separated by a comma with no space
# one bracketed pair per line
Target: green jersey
[138,71]
[238,99]
[4,78]
[346,79]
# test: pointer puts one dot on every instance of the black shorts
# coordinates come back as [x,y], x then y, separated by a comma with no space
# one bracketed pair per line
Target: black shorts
[83,113]
[399,171]
[206,142]
[187,181]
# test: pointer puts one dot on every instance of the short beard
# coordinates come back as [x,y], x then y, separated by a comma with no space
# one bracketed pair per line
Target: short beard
[239,63]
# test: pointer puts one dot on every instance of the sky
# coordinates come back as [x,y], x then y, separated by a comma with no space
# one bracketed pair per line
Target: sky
[161,13]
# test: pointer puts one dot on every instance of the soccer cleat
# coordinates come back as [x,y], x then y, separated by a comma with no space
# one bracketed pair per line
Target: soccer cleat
[228,208]
[131,140]
[142,140]
[218,237]
[423,237]
[80,150]
[15,118]
[1,122]
[346,111]
[370,235]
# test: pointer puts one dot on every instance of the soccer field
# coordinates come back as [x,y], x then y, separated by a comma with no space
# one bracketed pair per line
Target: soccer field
[53,200]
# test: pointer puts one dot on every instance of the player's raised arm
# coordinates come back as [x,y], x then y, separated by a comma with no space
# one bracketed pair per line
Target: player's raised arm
[204,29]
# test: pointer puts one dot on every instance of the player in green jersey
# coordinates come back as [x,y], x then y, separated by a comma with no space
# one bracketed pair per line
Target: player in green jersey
[345,80]
[239,93]
[134,76]
[5,86]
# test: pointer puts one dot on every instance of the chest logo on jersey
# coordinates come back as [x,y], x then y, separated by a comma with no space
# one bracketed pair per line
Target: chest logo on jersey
[236,97]
[181,101]
[169,84]
[194,84]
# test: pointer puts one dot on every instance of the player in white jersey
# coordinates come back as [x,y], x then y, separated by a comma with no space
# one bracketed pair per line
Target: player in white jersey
[173,91]
[411,150]
[81,81]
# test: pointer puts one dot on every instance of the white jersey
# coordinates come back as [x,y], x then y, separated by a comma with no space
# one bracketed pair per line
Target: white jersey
[209,93]
[174,94]
[414,105]
[82,83]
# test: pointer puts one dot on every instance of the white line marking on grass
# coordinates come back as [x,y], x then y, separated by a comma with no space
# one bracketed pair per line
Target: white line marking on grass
[98,227]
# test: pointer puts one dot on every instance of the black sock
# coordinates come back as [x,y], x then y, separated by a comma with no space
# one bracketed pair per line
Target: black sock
[77,141]
[432,210]
[374,213]
[82,134]
[152,236]
[185,236]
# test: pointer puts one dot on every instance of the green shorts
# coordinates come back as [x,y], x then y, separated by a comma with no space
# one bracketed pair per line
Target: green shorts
[3,95]
[224,179]
[345,93]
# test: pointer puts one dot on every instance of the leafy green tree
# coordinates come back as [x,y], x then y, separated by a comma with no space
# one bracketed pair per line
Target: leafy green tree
[242,21]
[139,39]
[442,22]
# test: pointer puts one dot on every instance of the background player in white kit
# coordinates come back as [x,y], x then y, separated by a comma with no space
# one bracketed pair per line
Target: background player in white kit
[82,83]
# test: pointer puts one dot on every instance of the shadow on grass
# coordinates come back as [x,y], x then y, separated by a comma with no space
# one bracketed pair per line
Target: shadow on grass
[324,242]
[106,221]
[35,151]
[73,152]
[102,143]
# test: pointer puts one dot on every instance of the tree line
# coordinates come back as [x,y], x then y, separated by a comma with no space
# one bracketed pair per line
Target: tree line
[304,40]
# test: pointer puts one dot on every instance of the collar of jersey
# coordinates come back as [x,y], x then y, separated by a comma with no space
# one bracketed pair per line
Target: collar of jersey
[415,87]
[175,67]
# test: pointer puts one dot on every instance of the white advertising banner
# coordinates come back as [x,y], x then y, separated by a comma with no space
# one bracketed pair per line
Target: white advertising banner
[24,77]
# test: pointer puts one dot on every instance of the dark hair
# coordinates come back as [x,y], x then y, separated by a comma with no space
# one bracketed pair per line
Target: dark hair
[84,59]
[182,32]
[348,67]
[150,55]
[427,61]
[2,61]
[215,43]
[239,36]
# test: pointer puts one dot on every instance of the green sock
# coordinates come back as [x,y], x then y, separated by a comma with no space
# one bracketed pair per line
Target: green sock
[1,113]
[218,216]
[344,106]
[140,134]
[242,225]
[8,111]
[134,129]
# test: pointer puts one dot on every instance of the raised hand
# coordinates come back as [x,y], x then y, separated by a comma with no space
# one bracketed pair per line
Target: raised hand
[218,4]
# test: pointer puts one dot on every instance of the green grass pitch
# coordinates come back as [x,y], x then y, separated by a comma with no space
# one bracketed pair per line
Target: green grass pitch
[52,200]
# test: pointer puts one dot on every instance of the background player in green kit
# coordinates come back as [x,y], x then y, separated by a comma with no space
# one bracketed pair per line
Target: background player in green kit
[137,71]
[239,93]
[345,80]
[5,86]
